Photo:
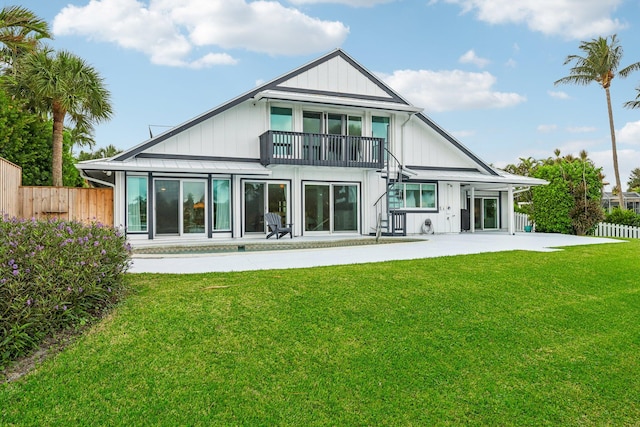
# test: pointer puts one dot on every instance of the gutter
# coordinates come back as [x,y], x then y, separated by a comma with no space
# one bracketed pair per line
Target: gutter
[99,181]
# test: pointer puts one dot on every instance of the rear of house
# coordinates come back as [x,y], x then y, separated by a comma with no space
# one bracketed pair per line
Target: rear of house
[328,146]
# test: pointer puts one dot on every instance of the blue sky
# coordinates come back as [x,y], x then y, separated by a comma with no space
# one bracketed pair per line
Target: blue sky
[482,69]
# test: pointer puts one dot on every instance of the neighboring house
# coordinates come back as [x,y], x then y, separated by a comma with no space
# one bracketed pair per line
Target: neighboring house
[328,146]
[631,200]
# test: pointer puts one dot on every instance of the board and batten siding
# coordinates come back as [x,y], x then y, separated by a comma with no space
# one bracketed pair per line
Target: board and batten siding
[425,147]
[10,181]
[231,133]
[336,75]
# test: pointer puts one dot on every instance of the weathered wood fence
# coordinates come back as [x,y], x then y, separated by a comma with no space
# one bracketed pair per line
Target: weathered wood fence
[10,181]
[79,204]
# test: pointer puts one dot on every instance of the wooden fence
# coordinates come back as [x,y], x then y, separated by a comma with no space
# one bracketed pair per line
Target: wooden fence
[10,181]
[78,204]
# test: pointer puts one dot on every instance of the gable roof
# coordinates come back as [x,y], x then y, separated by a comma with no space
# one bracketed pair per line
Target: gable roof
[376,95]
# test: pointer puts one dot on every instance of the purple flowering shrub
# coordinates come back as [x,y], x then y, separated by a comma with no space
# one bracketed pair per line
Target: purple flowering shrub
[54,275]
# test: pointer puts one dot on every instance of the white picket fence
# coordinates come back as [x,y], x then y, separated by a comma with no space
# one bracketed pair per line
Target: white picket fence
[521,220]
[603,229]
[616,230]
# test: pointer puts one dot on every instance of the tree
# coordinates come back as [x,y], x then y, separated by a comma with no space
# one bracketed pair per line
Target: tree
[101,153]
[25,139]
[599,64]
[634,180]
[20,32]
[636,103]
[571,202]
[62,85]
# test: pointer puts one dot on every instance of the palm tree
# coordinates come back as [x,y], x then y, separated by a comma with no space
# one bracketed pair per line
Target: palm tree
[20,31]
[599,64]
[636,103]
[62,85]
[634,180]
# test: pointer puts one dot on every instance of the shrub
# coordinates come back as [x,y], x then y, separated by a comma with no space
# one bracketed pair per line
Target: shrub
[54,275]
[623,217]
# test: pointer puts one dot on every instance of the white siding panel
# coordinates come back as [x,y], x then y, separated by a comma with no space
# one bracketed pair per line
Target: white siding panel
[233,133]
[335,75]
[424,147]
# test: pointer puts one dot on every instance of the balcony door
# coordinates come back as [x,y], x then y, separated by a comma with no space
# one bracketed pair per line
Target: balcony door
[329,135]
[261,197]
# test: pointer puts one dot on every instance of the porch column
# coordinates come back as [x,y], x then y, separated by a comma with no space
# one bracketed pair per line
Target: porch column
[472,210]
[511,213]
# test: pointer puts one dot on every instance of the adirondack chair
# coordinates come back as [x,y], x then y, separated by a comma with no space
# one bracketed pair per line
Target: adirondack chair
[274,222]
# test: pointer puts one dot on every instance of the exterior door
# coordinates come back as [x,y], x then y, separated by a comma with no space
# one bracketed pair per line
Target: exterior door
[261,197]
[486,213]
[331,208]
[180,207]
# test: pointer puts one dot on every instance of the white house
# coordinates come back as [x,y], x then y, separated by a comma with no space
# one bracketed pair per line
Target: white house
[328,146]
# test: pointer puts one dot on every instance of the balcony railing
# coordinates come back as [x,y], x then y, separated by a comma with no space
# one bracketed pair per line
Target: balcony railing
[315,149]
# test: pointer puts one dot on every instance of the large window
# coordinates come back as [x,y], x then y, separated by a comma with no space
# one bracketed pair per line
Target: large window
[404,195]
[137,187]
[221,204]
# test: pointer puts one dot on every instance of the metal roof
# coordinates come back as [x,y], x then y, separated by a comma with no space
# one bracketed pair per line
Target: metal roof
[473,177]
[166,165]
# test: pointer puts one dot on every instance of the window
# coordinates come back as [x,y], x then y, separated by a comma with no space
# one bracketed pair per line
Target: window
[281,120]
[221,205]
[413,196]
[380,129]
[137,187]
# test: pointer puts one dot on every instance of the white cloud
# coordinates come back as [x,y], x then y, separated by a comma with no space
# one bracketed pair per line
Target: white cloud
[630,133]
[511,63]
[546,128]
[470,57]
[438,91]
[353,3]
[628,159]
[168,30]
[558,94]
[572,19]
[581,129]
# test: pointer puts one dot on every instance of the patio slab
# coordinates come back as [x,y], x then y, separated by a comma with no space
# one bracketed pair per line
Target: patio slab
[427,247]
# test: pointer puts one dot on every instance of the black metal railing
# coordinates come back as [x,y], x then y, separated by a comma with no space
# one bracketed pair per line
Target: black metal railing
[314,149]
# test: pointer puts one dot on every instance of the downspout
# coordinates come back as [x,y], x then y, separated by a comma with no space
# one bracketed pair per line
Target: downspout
[402,142]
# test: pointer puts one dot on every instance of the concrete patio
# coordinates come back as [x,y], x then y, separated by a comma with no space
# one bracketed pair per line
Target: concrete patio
[414,247]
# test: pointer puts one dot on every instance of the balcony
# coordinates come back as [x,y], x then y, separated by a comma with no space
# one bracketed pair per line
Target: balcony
[315,149]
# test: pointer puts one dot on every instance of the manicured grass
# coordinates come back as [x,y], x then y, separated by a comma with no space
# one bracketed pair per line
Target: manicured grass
[513,338]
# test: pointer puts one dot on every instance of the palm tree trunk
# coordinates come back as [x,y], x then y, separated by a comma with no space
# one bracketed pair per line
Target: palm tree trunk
[614,150]
[56,159]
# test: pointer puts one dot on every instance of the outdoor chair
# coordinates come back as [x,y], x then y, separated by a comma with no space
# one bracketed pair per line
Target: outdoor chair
[274,222]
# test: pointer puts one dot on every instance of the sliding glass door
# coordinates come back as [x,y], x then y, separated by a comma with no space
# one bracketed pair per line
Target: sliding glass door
[261,197]
[180,206]
[331,207]
[486,213]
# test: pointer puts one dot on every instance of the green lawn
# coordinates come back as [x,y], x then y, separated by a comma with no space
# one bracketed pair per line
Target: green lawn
[514,338]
